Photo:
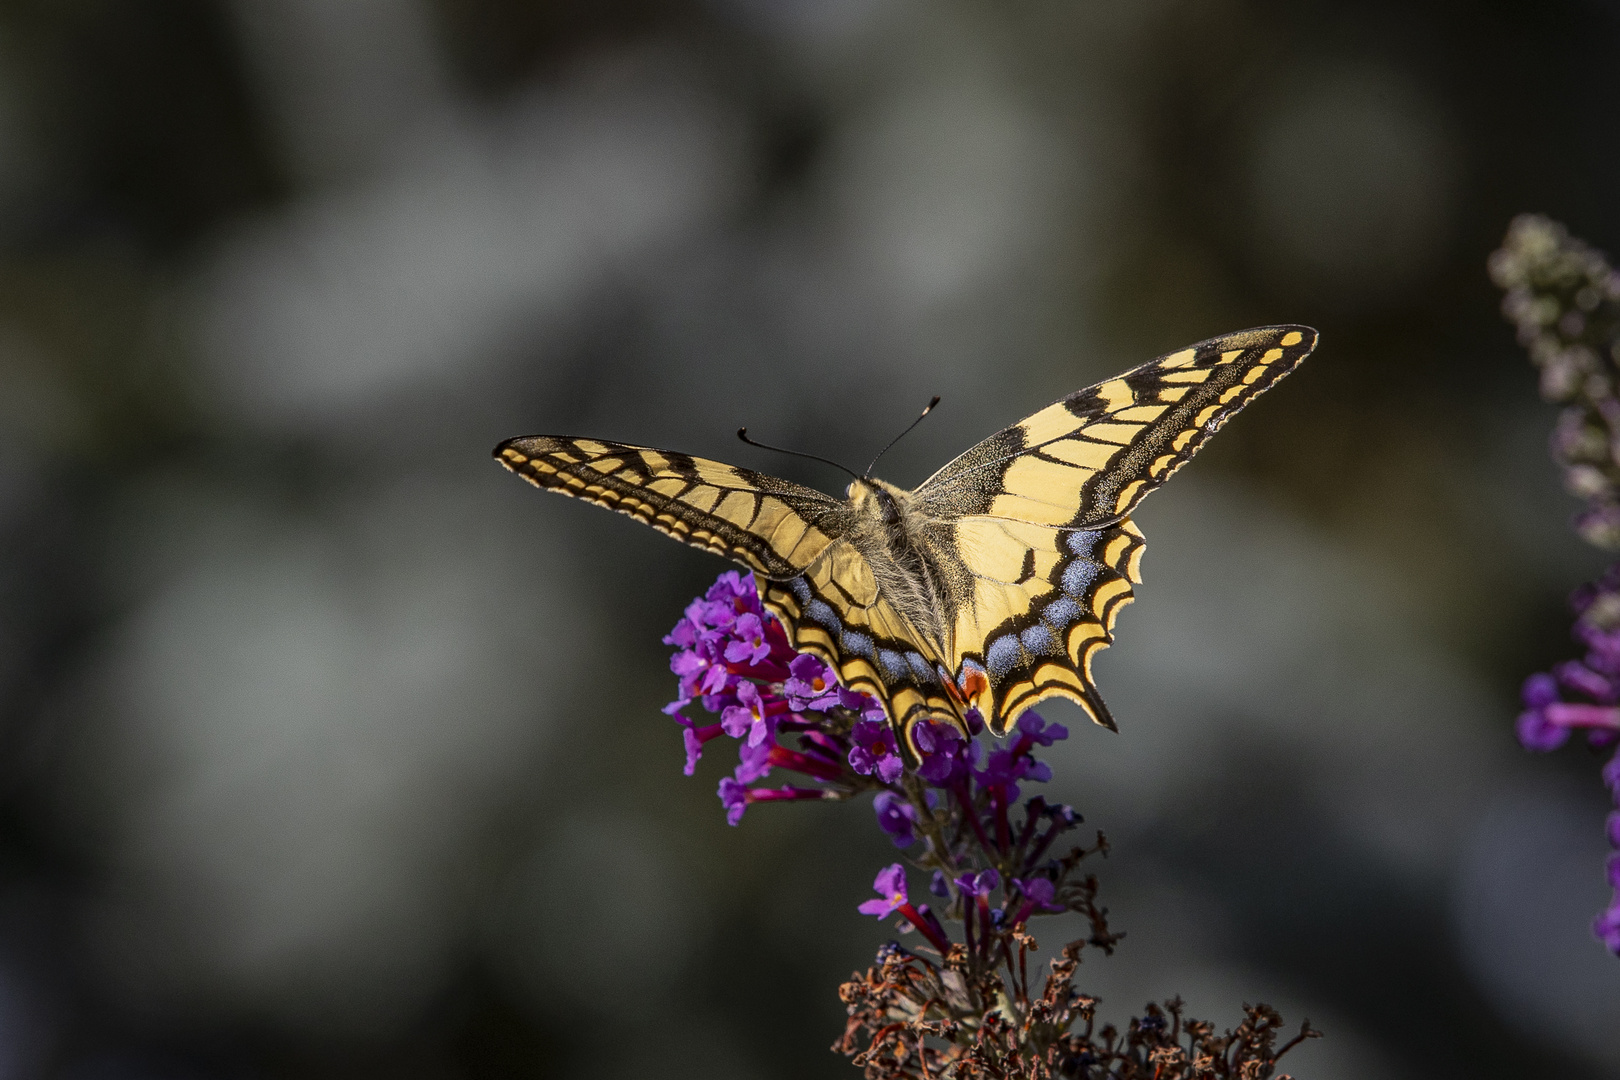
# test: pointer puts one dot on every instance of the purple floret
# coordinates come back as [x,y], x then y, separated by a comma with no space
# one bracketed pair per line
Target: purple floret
[1038,896]
[980,885]
[750,718]
[1607,928]
[811,685]
[749,644]
[875,751]
[891,889]
[754,761]
[734,797]
[1536,732]
[1036,730]
[946,756]
[896,817]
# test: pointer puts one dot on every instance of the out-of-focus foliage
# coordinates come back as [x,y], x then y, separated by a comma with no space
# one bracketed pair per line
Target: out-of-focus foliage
[308,708]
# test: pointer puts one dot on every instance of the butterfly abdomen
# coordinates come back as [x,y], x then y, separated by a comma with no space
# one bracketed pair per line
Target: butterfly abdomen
[887,535]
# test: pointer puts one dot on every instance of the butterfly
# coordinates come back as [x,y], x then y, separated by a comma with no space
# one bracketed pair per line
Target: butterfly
[990,586]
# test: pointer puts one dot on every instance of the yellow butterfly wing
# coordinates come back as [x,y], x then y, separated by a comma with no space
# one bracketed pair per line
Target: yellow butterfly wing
[1043,550]
[774,527]
[821,588]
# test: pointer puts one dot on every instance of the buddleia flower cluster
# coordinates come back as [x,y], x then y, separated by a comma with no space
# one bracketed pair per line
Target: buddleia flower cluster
[1565,300]
[990,853]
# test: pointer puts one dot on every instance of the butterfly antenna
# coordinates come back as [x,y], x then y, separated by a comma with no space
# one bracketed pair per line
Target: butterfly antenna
[903,434]
[742,433]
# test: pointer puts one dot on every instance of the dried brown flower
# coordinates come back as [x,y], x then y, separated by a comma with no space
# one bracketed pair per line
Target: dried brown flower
[913,1019]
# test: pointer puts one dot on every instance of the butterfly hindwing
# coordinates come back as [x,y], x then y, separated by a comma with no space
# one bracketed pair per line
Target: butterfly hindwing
[835,611]
[773,526]
[1044,603]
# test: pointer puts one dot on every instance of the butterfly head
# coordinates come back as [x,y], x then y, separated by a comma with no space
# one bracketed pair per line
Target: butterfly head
[878,498]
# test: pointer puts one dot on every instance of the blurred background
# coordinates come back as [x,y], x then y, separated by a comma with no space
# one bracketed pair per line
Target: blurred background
[331,750]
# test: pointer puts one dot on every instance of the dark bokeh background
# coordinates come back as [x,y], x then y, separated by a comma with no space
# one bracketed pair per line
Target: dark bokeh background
[332,750]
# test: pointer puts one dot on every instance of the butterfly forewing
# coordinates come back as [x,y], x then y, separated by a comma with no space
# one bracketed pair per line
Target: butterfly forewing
[1088,459]
[774,527]
[818,585]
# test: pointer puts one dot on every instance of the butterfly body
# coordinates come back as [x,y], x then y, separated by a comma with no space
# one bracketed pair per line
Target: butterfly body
[910,564]
[989,586]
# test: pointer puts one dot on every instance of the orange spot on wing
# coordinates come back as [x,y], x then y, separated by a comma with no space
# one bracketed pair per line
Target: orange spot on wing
[977,683]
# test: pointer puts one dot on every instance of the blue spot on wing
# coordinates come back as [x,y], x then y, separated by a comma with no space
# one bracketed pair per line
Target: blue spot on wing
[1002,655]
[1083,542]
[853,641]
[893,663]
[1061,613]
[919,668]
[1078,576]
[820,612]
[1038,640]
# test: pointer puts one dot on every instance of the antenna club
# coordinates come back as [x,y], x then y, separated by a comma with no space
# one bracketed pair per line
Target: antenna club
[903,434]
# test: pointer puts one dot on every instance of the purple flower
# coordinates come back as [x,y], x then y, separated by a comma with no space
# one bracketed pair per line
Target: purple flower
[733,595]
[946,756]
[896,817]
[734,797]
[690,667]
[979,885]
[1607,928]
[891,890]
[1611,778]
[684,636]
[716,680]
[865,704]
[754,761]
[1064,814]
[739,718]
[811,685]
[1038,896]
[753,716]
[1540,690]
[1583,680]
[875,751]
[1579,715]
[1039,891]
[1035,730]
[1005,769]
[748,646]
[1536,732]
[693,737]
